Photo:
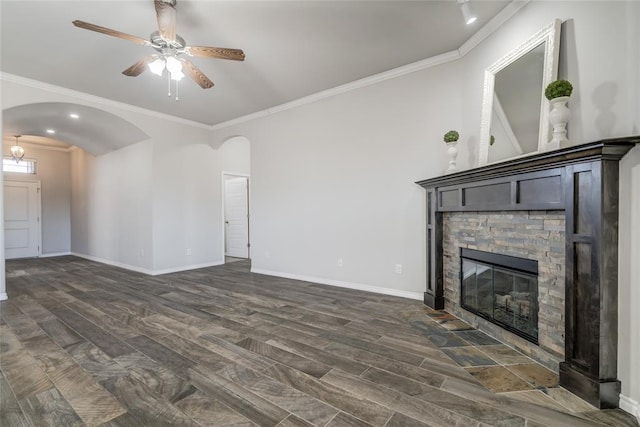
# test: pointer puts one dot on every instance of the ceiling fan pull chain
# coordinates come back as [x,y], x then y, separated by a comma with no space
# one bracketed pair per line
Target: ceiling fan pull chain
[177,99]
[169,84]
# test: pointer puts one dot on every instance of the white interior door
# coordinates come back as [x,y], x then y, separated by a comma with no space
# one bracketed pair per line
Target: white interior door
[236,217]
[21,219]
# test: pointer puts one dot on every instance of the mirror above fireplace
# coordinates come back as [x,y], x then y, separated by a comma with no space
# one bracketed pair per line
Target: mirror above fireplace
[514,109]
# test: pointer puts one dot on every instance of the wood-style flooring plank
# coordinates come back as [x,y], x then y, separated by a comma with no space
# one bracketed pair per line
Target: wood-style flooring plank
[397,401]
[160,380]
[20,324]
[144,405]
[322,356]
[302,364]
[296,402]
[20,369]
[10,412]
[49,408]
[162,354]
[208,412]
[366,410]
[98,336]
[243,401]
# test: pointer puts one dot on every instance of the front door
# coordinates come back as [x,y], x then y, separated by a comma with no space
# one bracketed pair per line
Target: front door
[21,219]
[237,217]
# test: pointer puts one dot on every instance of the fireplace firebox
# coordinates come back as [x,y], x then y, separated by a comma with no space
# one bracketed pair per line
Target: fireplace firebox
[502,289]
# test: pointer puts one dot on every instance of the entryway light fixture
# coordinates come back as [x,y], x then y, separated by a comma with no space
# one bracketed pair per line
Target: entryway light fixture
[17,152]
[467,12]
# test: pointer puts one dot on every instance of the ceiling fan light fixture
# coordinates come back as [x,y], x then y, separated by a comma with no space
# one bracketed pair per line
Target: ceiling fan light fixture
[177,75]
[17,152]
[467,12]
[157,66]
[174,65]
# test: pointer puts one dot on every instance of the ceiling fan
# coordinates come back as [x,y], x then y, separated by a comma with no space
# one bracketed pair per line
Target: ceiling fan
[170,48]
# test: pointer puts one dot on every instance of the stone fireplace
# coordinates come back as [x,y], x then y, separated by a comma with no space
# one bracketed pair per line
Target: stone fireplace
[558,209]
[538,236]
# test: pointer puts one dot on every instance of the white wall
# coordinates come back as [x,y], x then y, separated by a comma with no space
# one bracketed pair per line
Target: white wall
[111,206]
[235,155]
[335,179]
[53,171]
[186,206]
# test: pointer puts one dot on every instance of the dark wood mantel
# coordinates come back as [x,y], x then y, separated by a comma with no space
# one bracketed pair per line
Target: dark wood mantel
[582,181]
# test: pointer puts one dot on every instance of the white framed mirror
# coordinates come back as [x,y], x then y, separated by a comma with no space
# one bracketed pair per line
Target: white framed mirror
[514,109]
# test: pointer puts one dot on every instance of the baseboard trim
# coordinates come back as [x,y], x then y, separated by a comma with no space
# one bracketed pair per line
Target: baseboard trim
[629,405]
[146,270]
[341,284]
[187,267]
[4,296]
[114,263]
[55,254]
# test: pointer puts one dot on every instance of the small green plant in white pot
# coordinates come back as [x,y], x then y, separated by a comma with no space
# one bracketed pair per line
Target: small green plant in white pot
[558,93]
[451,138]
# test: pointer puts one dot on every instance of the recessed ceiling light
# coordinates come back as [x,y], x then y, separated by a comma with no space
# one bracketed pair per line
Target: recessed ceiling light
[51,131]
[74,116]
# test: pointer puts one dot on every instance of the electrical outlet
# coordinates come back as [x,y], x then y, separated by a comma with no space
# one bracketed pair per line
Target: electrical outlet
[188,251]
[340,262]
[398,268]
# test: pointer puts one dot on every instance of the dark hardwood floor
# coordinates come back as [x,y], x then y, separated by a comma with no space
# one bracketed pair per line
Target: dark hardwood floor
[88,344]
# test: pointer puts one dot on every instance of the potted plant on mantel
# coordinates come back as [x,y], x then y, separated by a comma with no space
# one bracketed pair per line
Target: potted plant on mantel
[451,138]
[558,93]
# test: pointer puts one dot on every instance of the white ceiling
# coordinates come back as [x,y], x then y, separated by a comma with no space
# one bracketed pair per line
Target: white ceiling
[293,48]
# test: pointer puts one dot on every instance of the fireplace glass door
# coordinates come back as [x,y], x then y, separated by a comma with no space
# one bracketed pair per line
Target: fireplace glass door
[501,294]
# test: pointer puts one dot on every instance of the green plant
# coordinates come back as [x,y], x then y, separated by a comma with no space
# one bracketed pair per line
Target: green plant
[451,136]
[557,89]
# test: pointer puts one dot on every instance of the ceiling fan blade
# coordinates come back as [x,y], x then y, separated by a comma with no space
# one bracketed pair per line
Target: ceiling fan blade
[139,67]
[193,72]
[109,32]
[217,52]
[166,14]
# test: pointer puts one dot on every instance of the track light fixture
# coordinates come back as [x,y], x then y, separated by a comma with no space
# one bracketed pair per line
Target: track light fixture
[467,12]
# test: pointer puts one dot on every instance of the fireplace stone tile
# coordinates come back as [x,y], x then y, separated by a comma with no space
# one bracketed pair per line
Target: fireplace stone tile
[469,356]
[447,339]
[498,379]
[505,355]
[476,337]
[535,374]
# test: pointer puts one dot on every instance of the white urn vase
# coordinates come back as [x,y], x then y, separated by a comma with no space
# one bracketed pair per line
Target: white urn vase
[558,117]
[452,151]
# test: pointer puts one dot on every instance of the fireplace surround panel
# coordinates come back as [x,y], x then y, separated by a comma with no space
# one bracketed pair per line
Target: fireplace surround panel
[582,183]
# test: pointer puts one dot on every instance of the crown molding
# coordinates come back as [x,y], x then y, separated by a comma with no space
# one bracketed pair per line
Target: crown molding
[357,84]
[490,27]
[503,16]
[36,84]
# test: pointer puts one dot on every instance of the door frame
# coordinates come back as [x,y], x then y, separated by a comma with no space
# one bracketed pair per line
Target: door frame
[19,178]
[224,201]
